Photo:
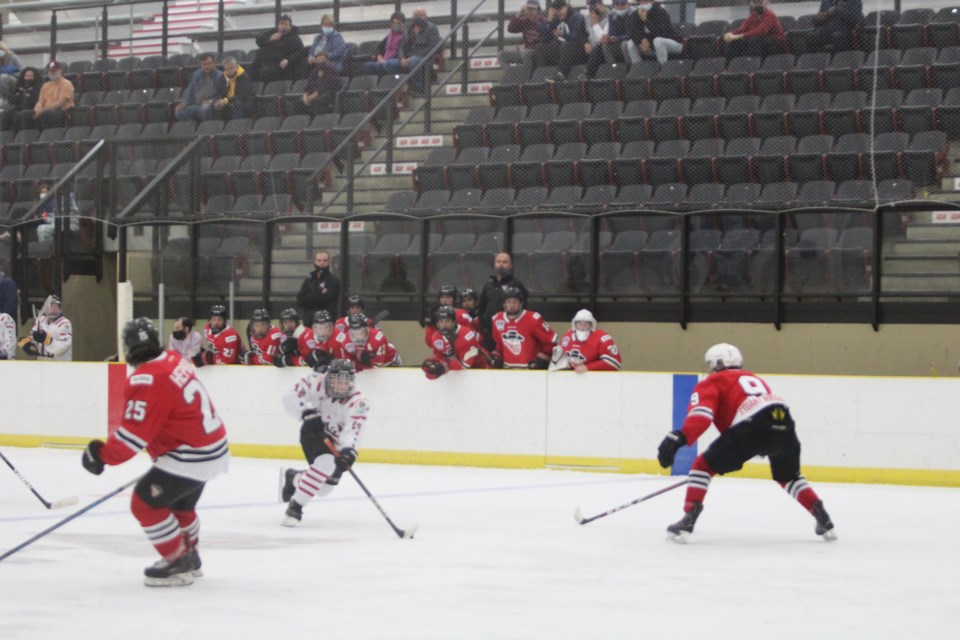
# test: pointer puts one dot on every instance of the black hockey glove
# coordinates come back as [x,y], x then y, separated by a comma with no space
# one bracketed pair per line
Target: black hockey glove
[313,421]
[348,455]
[29,347]
[365,356]
[3,354]
[495,360]
[319,359]
[289,347]
[91,460]
[39,335]
[198,359]
[669,447]
[433,368]
[279,360]
[538,363]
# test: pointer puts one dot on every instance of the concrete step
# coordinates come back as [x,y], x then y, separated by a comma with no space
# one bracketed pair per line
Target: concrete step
[933,282]
[909,265]
[933,232]
[927,248]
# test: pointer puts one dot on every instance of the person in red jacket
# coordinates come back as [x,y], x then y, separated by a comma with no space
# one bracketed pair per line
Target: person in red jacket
[454,345]
[168,412]
[586,348]
[752,421]
[761,34]
[222,343]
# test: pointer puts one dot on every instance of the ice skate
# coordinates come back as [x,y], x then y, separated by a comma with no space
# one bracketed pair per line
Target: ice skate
[164,573]
[293,514]
[288,484]
[195,558]
[824,526]
[679,531]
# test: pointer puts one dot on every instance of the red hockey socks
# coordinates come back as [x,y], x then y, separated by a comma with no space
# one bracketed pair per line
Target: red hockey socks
[698,482]
[161,527]
[801,491]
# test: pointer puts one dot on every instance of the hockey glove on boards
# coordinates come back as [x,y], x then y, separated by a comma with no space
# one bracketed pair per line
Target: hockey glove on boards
[365,357]
[91,460]
[669,447]
[433,368]
[348,455]
[538,363]
[279,360]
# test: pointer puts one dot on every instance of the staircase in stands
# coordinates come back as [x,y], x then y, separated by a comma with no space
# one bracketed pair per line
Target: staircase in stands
[185,17]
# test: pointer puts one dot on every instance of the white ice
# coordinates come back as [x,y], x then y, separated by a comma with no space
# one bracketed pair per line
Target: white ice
[497,555]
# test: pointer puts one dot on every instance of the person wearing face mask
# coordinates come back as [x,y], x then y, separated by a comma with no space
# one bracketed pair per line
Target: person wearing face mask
[620,24]
[761,34]
[653,32]
[390,46]
[492,296]
[323,85]
[184,340]
[331,42]
[586,348]
[22,97]
[55,101]
[320,290]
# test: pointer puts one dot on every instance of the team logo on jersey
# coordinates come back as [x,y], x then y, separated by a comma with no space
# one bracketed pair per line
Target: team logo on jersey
[565,341]
[438,344]
[513,341]
[575,355]
[500,325]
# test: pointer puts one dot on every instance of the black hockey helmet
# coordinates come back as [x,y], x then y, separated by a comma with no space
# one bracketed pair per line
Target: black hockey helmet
[141,341]
[446,311]
[357,321]
[339,378]
[513,292]
[356,300]
[219,310]
[449,290]
[260,315]
[322,317]
[469,293]
[289,314]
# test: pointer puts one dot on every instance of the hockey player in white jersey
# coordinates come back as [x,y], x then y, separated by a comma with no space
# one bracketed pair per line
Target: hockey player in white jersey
[51,337]
[8,337]
[333,412]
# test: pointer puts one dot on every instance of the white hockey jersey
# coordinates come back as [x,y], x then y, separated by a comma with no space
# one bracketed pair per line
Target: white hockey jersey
[60,332]
[343,419]
[8,337]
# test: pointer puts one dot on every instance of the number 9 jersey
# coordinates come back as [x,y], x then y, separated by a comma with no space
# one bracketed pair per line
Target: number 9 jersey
[168,412]
[725,398]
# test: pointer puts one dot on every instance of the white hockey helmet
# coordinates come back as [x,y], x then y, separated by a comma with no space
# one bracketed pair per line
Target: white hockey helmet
[723,356]
[583,315]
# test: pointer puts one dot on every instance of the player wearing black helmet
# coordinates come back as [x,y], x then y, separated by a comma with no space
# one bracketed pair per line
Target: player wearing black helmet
[448,296]
[221,341]
[332,412]
[169,413]
[264,339]
[321,343]
[355,305]
[523,338]
[294,339]
[454,345]
[367,347]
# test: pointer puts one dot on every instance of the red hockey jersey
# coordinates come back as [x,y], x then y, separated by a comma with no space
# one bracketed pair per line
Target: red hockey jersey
[378,352]
[724,398]
[262,350]
[168,412]
[462,354]
[519,340]
[463,318]
[223,347]
[598,352]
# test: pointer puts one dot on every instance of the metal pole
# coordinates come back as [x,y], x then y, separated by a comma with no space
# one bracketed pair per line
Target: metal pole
[104,18]
[501,11]
[53,34]
[465,59]
[164,29]
[221,17]
[277,11]
[453,35]
[336,22]
[388,132]
[161,305]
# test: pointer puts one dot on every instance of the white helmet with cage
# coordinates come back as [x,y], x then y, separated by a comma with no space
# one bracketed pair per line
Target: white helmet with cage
[583,315]
[723,356]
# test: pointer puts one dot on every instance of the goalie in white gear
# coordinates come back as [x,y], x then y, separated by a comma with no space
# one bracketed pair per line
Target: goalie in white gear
[586,348]
[51,337]
[333,414]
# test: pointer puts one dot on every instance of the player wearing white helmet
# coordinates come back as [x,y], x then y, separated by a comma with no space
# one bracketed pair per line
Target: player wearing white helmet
[752,421]
[586,348]
[51,337]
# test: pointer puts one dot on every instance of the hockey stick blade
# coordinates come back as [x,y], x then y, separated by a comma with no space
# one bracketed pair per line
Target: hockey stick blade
[66,502]
[578,516]
[408,534]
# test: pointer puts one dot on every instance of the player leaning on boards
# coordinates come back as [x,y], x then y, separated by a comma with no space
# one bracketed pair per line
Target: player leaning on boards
[333,412]
[167,412]
[752,421]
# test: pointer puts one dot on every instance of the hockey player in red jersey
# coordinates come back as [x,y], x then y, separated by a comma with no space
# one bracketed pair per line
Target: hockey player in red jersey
[222,342]
[322,343]
[752,421]
[264,339]
[523,338]
[454,345]
[168,412]
[334,413]
[468,303]
[586,348]
[447,297]
[296,340]
[367,347]
[355,306]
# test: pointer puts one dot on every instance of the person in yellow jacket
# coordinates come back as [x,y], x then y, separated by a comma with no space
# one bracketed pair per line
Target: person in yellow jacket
[236,104]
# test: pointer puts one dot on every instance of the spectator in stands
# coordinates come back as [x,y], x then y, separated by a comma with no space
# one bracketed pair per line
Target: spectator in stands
[530,22]
[23,96]
[331,42]
[184,340]
[323,85]
[597,26]
[236,102]
[281,54]
[320,290]
[390,47]
[835,22]
[53,104]
[653,31]
[45,223]
[206,87]
[421,37]
[492,296]
[761,34]
[617,46]
[568,34]
[8,294]
[9,61]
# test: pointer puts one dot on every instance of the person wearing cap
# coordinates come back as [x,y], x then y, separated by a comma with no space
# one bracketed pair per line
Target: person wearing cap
[835,23]
[281,55]
[761,34]
[207,86]
[654,32]
[53,104]
[10,63]
[568,31]
[532,26]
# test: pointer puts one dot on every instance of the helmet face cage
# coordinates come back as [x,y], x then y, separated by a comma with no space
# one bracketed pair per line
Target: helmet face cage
[513,293]
[448,291]
[53,302]
[322,325]
[260,322]
[339,379]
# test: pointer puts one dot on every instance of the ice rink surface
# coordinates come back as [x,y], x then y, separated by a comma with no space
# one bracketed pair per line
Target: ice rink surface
[497,555]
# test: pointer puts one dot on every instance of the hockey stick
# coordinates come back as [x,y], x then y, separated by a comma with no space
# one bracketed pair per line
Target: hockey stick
[57,504]
[380,317]
[581,520]
[403,533]
[72,516]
